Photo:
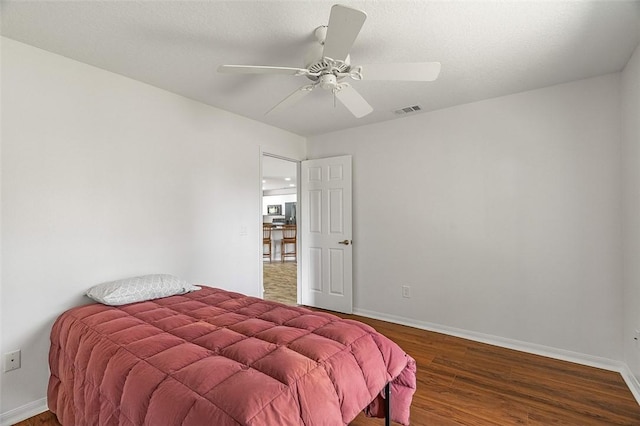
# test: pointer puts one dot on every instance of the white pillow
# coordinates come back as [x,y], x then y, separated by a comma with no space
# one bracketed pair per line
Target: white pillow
[138,289]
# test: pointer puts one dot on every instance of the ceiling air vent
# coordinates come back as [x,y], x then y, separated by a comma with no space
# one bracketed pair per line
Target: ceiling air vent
[408,110]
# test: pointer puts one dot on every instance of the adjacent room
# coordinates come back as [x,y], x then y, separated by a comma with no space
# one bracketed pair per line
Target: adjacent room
[464,177]
[279,228]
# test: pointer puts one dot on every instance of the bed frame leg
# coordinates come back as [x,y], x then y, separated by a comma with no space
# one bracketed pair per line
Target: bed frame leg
[387,404]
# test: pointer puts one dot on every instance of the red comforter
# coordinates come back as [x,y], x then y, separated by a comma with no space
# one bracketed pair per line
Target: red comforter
[212,357]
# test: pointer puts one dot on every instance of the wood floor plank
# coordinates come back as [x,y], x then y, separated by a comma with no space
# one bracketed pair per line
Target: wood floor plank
[613,386]
[45,419]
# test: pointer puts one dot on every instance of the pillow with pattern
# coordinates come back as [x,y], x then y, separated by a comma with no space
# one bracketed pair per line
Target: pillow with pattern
[138,289]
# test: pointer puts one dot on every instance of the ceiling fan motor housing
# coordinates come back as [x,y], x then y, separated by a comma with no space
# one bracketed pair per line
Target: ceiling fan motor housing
[328,81]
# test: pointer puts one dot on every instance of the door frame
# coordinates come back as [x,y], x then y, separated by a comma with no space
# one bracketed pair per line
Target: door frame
[298,219]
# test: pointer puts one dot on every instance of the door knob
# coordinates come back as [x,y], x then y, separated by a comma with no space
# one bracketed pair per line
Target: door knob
[345,242]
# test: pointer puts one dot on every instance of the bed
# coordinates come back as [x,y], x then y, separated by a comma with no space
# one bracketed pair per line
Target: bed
[214,357]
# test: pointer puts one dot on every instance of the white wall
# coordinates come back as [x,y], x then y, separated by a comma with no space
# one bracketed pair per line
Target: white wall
[104,177]
[630,90]
[503,215]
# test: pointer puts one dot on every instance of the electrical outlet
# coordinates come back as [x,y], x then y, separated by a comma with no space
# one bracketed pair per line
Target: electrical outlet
[406,291]
[12,360]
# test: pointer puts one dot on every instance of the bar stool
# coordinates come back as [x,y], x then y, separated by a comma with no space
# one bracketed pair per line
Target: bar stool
[289,238]
[266,240]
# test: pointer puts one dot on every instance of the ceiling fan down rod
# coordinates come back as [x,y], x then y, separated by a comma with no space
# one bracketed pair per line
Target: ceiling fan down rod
[321,34]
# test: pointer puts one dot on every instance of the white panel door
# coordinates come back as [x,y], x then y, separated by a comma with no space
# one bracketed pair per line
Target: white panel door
[326,246]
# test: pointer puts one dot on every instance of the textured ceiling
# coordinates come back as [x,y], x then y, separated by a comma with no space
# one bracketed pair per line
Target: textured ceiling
[486,48]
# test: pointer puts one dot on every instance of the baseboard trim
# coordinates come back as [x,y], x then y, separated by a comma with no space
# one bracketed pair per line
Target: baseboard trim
[24,412]
[533,348]
[631,381]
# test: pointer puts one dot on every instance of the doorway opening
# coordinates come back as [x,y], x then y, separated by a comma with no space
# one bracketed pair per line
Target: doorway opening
[280,248]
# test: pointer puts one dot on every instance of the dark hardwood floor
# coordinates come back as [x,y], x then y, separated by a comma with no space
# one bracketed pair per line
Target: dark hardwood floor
[461,382]
[45,419]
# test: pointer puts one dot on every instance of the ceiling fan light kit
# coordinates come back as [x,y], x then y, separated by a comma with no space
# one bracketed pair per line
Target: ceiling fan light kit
[328,63]
[328,81]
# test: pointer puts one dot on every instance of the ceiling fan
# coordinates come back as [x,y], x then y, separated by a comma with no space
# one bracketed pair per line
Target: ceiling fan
[328,63]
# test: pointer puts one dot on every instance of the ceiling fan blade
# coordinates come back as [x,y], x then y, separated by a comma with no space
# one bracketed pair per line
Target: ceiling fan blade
[417,71]
[344,26]
[259,69]
[353,101]
[292,98]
